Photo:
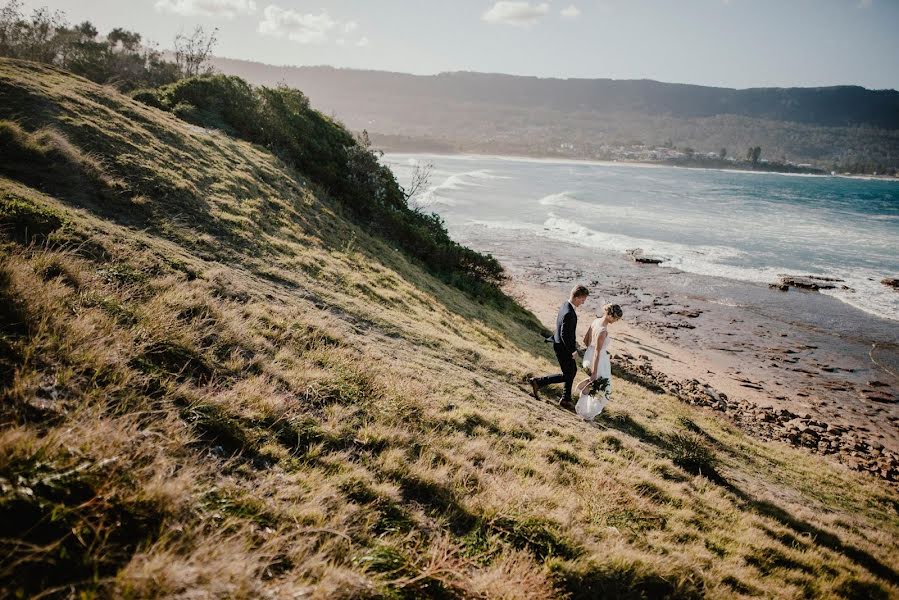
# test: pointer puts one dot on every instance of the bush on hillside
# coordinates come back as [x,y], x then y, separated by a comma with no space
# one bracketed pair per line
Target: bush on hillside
[281,120]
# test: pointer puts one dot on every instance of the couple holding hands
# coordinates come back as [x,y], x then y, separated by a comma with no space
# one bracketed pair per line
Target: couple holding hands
[594,390]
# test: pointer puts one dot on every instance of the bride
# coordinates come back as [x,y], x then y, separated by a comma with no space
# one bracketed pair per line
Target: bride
[596,361]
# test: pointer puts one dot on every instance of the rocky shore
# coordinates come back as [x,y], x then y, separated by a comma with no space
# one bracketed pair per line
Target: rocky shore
[846,443]
[777,381]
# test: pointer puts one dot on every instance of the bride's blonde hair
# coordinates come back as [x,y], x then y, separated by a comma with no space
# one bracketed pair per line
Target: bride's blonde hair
[612,310]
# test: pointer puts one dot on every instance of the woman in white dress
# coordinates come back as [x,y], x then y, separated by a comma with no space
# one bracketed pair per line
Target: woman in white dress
[596,361]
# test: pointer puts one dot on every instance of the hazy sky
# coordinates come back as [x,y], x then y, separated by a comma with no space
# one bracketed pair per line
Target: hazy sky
[731,43]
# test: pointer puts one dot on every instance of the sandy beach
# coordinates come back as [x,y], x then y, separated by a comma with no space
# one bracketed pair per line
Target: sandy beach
[776,380]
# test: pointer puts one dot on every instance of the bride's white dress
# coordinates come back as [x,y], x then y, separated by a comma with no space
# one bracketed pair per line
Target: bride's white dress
[589,407]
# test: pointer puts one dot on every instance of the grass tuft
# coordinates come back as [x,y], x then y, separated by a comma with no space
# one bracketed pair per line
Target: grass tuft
[691,453]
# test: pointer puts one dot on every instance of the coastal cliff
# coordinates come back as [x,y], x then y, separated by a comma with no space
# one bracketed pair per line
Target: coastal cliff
[219,379]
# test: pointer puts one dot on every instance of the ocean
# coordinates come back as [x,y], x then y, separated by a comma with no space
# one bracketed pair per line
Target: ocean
[740,226]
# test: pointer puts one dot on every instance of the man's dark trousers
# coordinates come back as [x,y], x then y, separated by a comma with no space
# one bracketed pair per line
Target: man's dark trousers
[569,371]
[564,345]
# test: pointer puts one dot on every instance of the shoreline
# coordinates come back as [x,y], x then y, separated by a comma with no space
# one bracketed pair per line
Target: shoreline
[634,163]
[862,290]
[803,366]
[723,380]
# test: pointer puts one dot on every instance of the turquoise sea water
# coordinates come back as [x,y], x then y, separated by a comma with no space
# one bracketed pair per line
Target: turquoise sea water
[748,227]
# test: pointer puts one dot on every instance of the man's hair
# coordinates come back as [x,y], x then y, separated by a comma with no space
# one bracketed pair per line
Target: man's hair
[580,291]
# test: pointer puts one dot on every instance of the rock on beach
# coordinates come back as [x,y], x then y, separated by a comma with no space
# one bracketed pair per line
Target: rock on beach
[806,282]
[637,255]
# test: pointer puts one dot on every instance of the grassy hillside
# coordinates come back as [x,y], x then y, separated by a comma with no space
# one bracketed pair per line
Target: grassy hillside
[214,384]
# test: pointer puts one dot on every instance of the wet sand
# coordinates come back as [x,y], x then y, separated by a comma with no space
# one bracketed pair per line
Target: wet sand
[796,366]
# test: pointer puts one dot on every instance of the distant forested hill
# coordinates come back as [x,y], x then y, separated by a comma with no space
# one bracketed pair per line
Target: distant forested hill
[492,112]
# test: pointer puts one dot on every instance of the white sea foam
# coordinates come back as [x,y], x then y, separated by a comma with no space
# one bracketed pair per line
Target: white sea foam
[560,199]
[437,194]
[702,260]
[866,293]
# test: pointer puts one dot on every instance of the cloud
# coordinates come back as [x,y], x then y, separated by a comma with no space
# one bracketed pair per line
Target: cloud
[571,12]
[305,29]
[521,14]
[207,8]
[865,3]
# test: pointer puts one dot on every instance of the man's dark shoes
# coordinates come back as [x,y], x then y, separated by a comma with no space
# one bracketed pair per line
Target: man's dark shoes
[535,387]
[566,404]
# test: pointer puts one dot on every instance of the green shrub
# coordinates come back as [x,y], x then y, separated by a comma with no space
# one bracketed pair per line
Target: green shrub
[148,97]
[188,112]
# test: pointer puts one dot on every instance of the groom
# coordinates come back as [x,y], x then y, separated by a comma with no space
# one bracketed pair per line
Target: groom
[565,347]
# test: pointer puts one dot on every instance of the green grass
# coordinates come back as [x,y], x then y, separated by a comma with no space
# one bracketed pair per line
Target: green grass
[213,384]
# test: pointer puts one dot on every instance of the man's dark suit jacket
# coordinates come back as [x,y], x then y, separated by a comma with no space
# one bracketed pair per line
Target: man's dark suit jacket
[566,326]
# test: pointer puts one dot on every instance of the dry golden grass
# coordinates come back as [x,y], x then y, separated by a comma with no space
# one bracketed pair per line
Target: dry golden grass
[213,385]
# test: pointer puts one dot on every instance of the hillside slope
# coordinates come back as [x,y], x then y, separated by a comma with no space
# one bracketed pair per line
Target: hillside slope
[215,384]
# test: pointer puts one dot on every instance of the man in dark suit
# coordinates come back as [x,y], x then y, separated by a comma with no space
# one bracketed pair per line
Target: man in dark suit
[565,346]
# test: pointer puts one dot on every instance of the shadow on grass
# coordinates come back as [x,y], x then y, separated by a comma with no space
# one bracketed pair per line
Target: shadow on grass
[626,580]
[686,454]
[625,423]
[820,536]
[61,533]
[440,499]
[541,537]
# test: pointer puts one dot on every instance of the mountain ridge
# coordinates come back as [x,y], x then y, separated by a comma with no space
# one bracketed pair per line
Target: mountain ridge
[840,105]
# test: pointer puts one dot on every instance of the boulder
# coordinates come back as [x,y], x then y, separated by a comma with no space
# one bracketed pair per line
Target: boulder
[892,282]
[637,255]
[806,282]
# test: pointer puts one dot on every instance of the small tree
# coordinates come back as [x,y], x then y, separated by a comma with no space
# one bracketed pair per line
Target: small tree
[37,39]
[420,181]
[192,52]
[722,154]
[129,41]
[71,42]
[753,154]
[12,24]
[756,153]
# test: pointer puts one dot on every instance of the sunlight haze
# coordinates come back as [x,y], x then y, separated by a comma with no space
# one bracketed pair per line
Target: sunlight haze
[729,43]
